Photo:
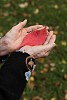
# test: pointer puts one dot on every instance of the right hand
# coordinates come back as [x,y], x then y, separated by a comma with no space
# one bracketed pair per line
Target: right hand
[41,50]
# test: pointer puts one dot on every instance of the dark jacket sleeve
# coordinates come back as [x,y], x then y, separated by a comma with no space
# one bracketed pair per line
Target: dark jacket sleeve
[3,58]
[12,76]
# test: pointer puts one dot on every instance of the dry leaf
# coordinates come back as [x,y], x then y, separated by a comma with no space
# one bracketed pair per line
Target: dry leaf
[24,98]
[37,98]
[23,5]
[36,11]
[56,6]
[64,43]
[31,78]
[53,98]
[63,61]
[40,60]
[52,64]
[65,96]
[65,76]
[57,84]
[7,5]
[46,65]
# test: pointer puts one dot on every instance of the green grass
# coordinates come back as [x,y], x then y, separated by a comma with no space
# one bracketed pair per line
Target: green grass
[50,80]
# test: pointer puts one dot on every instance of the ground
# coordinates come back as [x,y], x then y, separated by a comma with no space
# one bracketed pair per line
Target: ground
[49,81]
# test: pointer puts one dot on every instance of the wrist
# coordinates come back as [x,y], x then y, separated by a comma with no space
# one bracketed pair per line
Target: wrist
[8,44]
[26,49]
[3,46]
[28,63]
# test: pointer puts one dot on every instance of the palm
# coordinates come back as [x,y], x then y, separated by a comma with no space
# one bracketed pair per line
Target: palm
[16,35]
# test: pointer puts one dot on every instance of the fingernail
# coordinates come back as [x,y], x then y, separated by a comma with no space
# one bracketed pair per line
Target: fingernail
[25,20]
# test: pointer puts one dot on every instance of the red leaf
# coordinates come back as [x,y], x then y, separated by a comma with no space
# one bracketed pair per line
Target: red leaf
[36,37]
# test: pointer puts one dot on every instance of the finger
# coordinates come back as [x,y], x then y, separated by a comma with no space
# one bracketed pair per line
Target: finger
[32,28]
[43,48]
[20,25]
[41,28]
[53,38]
[48,37]
[43,54]
[46,54]
[49,47]
[47,28]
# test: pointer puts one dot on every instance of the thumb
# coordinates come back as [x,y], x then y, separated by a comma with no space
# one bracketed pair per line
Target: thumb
[21,25]
[24,23]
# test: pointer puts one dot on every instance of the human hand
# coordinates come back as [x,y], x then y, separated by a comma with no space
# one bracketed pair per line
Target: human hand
[16,35]
[41,50]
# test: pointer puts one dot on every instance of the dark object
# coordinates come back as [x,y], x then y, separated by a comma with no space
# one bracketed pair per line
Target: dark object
[3,58]
[12,76]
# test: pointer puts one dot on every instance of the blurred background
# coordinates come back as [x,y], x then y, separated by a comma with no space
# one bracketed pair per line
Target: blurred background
[49,80]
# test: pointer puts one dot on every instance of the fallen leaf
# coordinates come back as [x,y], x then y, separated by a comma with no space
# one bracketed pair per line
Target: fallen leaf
[37,98]
[64,43]
[65,76]
[36,11]
[65,96]
[23,5]
[53,98]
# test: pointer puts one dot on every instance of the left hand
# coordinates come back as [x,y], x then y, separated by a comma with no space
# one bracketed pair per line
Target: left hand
[16,35]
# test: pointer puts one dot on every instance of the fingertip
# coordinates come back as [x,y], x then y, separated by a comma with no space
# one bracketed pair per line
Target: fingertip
[20,25]
[55,36]
[54,44]
[25,20]
[24,23]
[47,27]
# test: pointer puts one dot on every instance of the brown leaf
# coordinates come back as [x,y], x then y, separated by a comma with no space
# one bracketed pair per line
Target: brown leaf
[37,98]
[65,96]
[57,84]
[65,76]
